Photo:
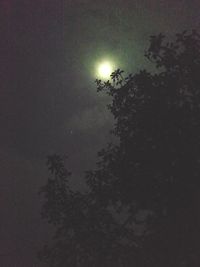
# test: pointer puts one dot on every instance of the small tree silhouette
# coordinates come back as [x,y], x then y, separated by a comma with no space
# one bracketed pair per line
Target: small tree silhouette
[138,210]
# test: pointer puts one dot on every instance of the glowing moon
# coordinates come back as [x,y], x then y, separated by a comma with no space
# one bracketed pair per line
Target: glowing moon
[104,70]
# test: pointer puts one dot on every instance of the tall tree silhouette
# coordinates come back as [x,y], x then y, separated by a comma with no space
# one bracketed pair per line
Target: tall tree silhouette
[141,206]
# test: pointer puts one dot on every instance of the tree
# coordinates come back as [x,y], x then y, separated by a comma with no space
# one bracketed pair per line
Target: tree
[142,194]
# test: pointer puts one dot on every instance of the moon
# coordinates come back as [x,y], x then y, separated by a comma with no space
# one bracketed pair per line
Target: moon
[104,69]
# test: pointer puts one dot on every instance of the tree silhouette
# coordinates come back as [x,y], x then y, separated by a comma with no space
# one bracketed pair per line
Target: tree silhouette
[141,207]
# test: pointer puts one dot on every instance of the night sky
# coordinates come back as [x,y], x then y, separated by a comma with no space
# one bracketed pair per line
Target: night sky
[48,99]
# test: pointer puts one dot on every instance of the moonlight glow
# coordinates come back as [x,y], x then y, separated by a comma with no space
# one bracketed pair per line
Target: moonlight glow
[104,70]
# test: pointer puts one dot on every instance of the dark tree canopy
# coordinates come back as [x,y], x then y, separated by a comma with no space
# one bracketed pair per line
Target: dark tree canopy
[142,206]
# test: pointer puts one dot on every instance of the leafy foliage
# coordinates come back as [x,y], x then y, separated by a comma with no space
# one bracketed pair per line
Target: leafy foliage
[147,184]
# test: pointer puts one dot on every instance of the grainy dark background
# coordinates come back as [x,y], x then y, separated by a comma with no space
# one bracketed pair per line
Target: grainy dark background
[48,101]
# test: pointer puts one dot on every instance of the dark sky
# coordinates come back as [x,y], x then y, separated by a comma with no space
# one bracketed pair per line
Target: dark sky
[48,99]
